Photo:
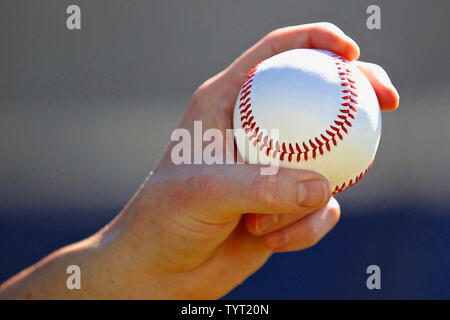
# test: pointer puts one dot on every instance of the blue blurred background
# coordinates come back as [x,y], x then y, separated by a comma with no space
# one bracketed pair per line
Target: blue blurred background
[85,115]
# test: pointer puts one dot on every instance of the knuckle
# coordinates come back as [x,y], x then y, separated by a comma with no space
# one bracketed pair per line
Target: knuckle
[267,192]
[269,39]
[371,67]
[328,26]
[269,36]
[198,97]
[311,235]
[273,34]
[212,94]
[334,213]
[377,68]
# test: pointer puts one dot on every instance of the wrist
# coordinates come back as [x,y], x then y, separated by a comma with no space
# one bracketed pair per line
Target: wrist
[126,258]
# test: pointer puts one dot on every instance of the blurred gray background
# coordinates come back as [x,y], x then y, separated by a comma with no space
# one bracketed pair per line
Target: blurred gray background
[86,114]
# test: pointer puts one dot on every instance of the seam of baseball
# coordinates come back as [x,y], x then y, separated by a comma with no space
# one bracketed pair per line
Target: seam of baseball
[315,145]
[350,183]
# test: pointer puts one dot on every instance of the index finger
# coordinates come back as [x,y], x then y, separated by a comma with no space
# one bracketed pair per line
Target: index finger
[315,36]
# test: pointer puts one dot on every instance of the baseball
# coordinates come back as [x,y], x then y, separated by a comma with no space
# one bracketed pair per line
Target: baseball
[309,109]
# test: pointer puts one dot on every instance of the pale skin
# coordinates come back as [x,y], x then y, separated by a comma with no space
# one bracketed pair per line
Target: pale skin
[197,231]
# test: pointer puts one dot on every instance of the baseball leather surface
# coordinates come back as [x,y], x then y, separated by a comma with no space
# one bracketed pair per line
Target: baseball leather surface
[324,108]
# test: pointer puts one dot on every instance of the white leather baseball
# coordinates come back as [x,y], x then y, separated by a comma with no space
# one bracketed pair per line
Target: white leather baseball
[324,107]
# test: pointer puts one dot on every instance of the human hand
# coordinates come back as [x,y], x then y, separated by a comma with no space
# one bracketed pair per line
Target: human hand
[202,229]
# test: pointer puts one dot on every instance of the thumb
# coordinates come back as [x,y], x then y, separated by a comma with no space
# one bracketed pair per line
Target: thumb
[222,193]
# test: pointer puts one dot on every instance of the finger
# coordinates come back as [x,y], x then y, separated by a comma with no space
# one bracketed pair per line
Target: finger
[225,192]
[315,35]
[306,232]
[286,192]
[260,224]
[388,96]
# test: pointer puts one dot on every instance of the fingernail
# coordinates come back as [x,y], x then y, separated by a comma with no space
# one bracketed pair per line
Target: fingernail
[312,193]
[266,222]
[277,239]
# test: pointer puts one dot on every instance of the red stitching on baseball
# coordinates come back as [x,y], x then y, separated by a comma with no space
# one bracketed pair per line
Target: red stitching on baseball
[351,183]
[317,145]
[339,125]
